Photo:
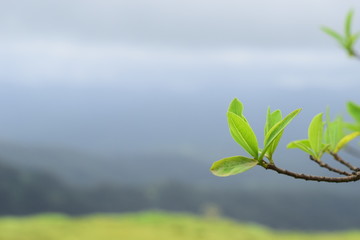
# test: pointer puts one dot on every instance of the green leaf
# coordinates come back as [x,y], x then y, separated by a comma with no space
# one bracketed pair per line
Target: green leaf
[236,107]
[232,165]
[333,34]
[351,41]
[273,145]
[334,132]
[304,145]
[315,134]
[355,37]
[352,127]
[329,132]
[243,134]
[354,111]
[348,22]
[272,118]
[324,148]
[345,140]
[276,130]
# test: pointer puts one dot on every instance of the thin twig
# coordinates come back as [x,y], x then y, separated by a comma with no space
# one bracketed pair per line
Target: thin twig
[328,167]
[352,178]
[343,162]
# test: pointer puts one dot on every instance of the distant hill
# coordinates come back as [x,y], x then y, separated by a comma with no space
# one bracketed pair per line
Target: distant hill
[34,180]
[83,169]
[25,191]
[77,168]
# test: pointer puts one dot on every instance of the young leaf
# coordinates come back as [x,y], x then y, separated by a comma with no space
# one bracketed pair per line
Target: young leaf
[269,153]
[333,34]
[276,130]
[329,131]
[345,140]
[272,118]
[324,148]
[243,134]
[334,133]
[303,145]
[352,127]
[355,37]
[315,134]
[268,121]
[236,107]
[354,110]
[348,21]
[232,165]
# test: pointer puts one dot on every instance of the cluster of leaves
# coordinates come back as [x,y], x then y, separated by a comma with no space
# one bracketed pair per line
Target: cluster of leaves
[328,136]
[348,40]
[323,137]
[244,135]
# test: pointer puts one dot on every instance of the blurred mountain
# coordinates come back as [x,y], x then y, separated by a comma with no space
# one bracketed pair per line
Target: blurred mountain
[28,192]
[78,169]
[81,169]
[125,149]
[25,192]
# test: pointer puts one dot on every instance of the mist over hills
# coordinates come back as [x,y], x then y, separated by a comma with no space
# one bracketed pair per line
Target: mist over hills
[166,114]
[86,170]
[28,191]
[156,146]
[83,170]
[96,133]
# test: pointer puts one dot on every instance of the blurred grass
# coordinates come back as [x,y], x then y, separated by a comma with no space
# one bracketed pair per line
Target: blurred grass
[146,226]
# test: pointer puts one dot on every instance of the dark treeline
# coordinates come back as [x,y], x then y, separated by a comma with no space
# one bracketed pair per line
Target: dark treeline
[24,192]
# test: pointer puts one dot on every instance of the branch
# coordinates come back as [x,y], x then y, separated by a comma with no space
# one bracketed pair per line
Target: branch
[343,162]
[328,167]
[352,178]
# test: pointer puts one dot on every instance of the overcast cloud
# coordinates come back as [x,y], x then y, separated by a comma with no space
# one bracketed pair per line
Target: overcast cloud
[187,22]
[79,41]
[115,67]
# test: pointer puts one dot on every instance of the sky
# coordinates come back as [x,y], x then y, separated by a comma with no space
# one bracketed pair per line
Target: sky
[108,41]
[74,70]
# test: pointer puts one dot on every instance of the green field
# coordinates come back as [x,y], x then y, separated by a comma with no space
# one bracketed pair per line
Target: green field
[145,226]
